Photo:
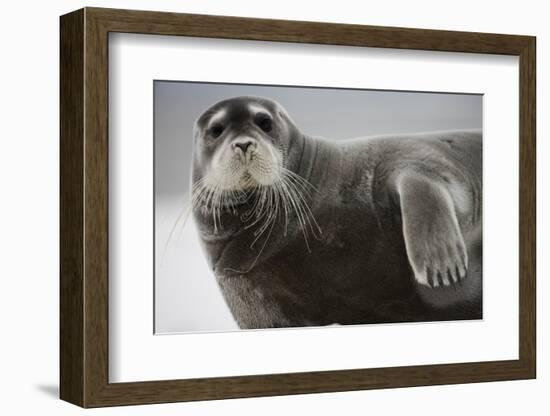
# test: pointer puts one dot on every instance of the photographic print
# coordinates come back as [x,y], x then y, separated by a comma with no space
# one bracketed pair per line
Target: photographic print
[293,206]
[339,188]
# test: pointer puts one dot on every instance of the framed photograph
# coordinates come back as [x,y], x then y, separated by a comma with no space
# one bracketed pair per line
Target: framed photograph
[256,207]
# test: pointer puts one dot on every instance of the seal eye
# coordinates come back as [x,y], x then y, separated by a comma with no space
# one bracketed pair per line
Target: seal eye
[216,130]
[265,123]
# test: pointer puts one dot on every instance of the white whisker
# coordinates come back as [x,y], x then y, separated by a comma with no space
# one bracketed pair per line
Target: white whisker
[287,196]
[184,213]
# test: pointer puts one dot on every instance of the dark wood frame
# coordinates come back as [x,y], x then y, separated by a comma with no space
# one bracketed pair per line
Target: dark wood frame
[84,209]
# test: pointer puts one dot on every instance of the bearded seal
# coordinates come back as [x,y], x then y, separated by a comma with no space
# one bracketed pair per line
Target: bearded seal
[306,231]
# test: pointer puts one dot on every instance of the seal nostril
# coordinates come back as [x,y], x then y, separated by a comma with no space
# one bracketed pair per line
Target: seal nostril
[243,145]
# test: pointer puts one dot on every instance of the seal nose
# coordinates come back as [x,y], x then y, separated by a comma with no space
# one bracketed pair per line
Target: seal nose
[243,145]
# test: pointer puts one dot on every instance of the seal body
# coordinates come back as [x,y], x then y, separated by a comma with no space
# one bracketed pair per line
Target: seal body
[399,228]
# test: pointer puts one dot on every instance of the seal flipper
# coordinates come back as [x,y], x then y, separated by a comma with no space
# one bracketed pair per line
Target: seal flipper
[433,239]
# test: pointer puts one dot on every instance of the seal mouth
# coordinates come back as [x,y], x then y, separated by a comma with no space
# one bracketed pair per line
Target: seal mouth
[247,159]
[286,199]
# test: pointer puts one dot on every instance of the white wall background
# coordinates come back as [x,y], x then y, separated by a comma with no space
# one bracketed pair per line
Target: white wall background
[29,225]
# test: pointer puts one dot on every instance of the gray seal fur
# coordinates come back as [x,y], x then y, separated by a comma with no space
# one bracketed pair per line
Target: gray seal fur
[399,217]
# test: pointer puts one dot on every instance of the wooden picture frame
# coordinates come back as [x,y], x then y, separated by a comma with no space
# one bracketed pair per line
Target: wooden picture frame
[84,207]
